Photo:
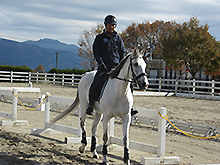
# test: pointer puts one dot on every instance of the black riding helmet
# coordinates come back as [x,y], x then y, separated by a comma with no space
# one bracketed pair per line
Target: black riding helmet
[110,19]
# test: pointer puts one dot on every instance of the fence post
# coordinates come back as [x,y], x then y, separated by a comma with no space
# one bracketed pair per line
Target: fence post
[11,76]
[29,77]
[45,78]
[63,79]
[160,84]
[161,133]
[111,127]
[194,86]
[213,88]
[37,77]
[72,79]
[47,111]
[176,86]
[14,106]
[54,78]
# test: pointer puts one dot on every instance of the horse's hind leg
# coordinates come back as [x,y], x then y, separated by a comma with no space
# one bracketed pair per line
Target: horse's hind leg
[126,125]
[94,128]
[82,125]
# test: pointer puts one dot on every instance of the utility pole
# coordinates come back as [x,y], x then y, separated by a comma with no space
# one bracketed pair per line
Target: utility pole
[56,60]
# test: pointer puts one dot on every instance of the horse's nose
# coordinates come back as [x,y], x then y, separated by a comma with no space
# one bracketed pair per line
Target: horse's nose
[145,84]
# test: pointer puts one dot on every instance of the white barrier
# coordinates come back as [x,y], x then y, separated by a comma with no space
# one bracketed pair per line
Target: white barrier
[156,84]
[7,91]
[58,128]
[159,150]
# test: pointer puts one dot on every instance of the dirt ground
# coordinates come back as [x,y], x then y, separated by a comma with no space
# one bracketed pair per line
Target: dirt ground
[18,146]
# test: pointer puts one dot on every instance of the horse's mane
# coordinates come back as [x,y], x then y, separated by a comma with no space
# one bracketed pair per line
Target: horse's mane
[114,73]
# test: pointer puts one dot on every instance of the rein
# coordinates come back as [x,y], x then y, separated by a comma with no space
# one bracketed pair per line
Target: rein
[123,79]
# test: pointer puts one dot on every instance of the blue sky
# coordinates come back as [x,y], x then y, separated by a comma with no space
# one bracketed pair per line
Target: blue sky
[65,20]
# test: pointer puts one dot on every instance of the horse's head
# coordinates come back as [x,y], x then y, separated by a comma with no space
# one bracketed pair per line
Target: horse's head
[138,69]
[137,66]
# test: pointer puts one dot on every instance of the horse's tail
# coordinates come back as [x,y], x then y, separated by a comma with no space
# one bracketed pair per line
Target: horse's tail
[72,107]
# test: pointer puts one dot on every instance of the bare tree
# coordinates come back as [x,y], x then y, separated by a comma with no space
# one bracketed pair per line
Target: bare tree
[85,43]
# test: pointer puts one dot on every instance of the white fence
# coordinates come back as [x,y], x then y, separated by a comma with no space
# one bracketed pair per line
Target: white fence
[63,79]
[185,86]
[7,91]
[156,84]
[159,150]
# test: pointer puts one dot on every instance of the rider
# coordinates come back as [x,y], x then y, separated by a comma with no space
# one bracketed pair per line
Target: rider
[108,51]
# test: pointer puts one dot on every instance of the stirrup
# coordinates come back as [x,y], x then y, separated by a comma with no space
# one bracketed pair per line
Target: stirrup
[89,110]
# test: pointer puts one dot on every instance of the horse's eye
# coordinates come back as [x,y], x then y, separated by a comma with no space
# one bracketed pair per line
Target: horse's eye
[135,64]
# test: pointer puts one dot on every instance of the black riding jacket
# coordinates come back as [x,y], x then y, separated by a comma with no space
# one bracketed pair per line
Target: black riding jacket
[108,50]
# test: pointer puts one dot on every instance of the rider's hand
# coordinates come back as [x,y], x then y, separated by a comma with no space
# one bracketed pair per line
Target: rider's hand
[103,66]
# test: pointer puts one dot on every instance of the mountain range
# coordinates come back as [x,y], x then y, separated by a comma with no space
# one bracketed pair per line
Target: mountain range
[42,52]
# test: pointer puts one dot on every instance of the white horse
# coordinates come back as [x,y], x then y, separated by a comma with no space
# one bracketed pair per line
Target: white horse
[116,101]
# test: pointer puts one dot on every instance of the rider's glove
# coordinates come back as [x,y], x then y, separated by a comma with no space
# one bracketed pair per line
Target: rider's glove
[103,66]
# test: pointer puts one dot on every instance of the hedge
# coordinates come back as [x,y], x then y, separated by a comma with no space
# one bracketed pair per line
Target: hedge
[68,71]
[54,70]
[14,68]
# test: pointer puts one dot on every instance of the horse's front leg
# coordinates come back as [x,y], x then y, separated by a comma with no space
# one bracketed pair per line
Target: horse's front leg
[93,141]
[126,126]
[105,140]
[82,117]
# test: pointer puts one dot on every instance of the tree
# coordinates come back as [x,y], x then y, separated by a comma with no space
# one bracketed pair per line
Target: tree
[214,67]
[190,45]
[40,69]
[147,37]
[131,37]
[85,43]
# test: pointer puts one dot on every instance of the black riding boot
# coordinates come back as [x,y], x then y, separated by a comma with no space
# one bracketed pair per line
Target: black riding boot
[95,89]
[89,110]
[92,95]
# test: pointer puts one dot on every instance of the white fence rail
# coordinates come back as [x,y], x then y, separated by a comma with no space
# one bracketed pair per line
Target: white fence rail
[156,84]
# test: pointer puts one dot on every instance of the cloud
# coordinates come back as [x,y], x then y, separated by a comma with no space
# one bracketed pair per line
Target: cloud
[65,20]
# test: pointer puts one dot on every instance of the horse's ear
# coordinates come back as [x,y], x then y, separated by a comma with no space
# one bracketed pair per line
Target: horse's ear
[136,53]
[142,53]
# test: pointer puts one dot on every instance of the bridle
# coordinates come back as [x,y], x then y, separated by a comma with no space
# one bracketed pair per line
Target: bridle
[135,78]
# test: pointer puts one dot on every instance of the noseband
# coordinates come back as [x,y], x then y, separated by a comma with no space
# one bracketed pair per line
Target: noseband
[135,78]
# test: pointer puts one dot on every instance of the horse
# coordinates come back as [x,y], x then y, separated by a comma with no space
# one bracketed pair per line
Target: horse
[116,101]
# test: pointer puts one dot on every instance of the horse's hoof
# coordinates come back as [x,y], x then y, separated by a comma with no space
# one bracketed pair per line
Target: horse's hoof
[104,163]
[127,162]
[96,156]
[81,149]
